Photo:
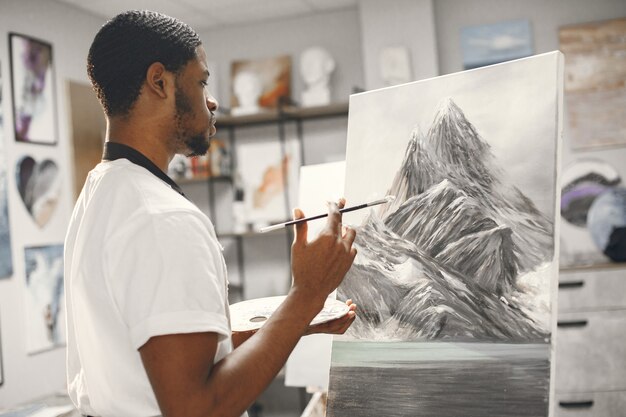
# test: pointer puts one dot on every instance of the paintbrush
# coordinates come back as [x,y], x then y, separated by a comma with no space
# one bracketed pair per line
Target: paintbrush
[387,199]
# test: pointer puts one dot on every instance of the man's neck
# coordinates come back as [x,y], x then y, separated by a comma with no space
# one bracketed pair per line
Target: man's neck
[141,138]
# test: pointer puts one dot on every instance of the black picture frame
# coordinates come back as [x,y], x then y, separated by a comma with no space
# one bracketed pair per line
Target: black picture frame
[33,90]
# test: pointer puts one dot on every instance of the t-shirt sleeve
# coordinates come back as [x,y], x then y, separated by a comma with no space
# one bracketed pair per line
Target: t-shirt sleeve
[165,274]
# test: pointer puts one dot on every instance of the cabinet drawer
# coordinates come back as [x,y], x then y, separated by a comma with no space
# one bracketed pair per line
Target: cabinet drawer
[591,404]
[592,290]
[591,352]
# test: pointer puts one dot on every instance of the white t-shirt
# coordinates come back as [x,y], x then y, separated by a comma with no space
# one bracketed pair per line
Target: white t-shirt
[140,261]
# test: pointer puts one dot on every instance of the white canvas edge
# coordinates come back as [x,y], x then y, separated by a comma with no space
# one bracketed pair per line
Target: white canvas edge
[554,290]
[444,76]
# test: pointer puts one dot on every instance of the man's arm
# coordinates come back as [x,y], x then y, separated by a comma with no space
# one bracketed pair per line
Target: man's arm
[337,326]
[180,366]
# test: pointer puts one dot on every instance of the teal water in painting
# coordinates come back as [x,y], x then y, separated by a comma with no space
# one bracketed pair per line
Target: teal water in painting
[439,379]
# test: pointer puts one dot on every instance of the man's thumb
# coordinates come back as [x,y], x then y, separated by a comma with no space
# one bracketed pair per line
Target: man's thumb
[300,228]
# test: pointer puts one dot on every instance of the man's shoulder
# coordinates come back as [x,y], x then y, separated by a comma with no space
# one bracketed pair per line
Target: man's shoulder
[130,185]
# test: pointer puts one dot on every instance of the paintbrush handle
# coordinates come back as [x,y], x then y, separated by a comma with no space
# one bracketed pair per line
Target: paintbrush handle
[320,216]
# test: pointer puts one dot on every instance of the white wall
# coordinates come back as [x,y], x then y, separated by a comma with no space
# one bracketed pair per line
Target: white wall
[337,31]
[545,17]
[408,23]
[70,32]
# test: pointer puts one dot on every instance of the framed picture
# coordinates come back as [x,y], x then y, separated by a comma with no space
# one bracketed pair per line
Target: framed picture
[497,42]
[44,298]
[39,185]
[6,260]
[595,91]
[33,88]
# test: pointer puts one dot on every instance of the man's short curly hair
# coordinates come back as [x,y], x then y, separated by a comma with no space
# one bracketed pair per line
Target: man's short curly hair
[126,46]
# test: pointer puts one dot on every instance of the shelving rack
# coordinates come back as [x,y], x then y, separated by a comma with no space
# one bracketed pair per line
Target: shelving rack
[280,117]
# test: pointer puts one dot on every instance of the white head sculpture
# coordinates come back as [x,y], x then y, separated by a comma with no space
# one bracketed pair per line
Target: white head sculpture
[395,65]
[247,87]
[316,66]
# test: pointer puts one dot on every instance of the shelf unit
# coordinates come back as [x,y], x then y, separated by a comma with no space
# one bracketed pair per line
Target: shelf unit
[279,117]
[590,353]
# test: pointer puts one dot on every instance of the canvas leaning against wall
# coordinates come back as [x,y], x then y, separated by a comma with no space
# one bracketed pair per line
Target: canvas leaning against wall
[33,86]
[6,260]
[595,86]
[455,279]
[270,183]
[259,84]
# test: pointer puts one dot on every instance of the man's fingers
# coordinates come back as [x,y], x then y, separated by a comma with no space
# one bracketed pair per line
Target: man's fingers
[301,229]
[349,236]
[333,224]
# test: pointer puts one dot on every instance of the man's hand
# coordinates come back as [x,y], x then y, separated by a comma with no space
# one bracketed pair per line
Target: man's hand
[337,326]
[319,266]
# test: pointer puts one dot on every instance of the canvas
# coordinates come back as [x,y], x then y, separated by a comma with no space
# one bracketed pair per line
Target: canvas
[6,260]
[259,84]
[309,363]
[455,280]
[33,85]
[44,325]
[39,186]
[269,183]
[595,91]
[583,181]
[497,42]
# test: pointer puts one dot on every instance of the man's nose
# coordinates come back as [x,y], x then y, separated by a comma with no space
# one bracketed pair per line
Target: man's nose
[211,103]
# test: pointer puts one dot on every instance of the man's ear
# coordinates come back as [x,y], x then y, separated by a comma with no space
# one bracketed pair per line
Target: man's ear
[158,79]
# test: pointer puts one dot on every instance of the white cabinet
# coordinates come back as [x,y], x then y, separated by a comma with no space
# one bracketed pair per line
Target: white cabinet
[591,343]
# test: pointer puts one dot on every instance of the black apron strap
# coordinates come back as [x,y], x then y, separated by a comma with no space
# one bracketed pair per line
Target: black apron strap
[114,150]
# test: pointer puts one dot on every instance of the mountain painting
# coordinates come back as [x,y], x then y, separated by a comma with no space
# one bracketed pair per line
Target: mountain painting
[455,279]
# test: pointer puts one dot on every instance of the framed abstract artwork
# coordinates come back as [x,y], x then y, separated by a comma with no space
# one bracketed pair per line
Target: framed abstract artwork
[44,298]
[33,87]
[6,259]
[39,185]
[456,279]
[595,83]
[583,182]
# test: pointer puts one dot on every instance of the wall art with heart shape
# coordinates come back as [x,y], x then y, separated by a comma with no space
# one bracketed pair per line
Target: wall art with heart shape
[39,185]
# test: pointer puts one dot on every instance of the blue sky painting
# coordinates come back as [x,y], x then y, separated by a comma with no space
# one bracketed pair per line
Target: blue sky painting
[497,42]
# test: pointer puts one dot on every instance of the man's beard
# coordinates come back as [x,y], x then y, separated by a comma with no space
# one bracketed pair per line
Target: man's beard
[195,144]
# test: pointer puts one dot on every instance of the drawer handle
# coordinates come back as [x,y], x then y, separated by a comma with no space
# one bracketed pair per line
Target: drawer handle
[571,284]
[576,404]
[573,323]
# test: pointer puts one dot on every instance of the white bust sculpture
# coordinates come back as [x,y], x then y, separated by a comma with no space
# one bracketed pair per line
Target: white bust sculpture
[395,66]
[316,66]
[247,87]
